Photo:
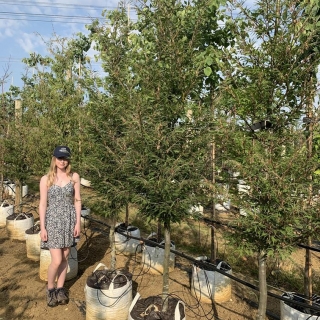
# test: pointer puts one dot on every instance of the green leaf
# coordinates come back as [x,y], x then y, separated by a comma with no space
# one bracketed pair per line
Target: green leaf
[208,71]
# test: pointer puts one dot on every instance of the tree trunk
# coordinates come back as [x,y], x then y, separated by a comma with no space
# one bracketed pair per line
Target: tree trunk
[262,286]
[213,256]
[112,245]
[159,232]
[127,215]
[18,195]
[308,264]
[166,261]
[308,271]
[213,177]
[1,185]
[18,191]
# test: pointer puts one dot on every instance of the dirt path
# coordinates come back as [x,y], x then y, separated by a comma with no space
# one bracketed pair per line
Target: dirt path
[22,292]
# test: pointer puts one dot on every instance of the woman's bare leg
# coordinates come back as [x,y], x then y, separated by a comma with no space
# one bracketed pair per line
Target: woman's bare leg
[63,267]
[56,259]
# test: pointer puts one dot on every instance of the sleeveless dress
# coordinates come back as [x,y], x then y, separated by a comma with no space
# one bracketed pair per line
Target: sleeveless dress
[60,216]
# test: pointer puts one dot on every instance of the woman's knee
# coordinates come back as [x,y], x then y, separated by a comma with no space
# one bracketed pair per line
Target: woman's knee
[57,257]
[65,254]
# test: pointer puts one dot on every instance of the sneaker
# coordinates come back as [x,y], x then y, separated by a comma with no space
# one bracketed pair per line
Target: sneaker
[62,296]
[52,298]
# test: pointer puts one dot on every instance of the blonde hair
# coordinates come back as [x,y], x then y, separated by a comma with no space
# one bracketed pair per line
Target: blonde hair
[52,173]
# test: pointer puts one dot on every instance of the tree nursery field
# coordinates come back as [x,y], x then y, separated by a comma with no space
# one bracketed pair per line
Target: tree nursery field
[23,291]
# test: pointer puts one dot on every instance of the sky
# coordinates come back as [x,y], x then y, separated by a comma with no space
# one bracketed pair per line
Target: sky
[25,26]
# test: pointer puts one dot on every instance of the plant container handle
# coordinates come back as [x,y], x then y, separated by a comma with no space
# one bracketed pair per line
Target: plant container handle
[15,219]
[100,264]
[134,301]
[111,287]
[20,214]
[220,263]
[177,314]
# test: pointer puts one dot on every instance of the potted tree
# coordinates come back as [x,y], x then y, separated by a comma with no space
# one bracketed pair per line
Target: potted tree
[17,168]
[107,165]
[149,132]
[266,136]
[168,134]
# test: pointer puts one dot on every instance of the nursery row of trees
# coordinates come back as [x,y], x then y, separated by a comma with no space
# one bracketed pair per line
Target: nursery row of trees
[194,96]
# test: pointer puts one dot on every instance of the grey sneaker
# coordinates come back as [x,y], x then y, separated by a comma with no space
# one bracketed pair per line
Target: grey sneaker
[62,296]
[52,298]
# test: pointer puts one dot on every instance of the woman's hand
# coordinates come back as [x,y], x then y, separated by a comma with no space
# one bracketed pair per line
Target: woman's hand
[76,232]
[44,235]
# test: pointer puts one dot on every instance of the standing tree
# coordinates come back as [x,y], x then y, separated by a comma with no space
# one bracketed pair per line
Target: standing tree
[151,122]
[106,130]
[266,89]
[7,115]
[310,35]
[176,48]
[51,98]
[3,116]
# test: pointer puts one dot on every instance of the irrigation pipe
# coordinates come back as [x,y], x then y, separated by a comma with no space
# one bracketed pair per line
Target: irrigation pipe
[204,263]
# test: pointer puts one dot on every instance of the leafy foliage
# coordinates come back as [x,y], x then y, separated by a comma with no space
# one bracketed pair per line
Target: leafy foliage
[269,89]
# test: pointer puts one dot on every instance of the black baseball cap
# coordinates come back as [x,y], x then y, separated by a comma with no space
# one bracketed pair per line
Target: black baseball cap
[62,152]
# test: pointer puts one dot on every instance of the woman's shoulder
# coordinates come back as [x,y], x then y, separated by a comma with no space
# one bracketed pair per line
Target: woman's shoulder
[44,178]
[75,176]
[43,182]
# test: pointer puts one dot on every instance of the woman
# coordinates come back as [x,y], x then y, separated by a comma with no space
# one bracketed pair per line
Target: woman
[60,218]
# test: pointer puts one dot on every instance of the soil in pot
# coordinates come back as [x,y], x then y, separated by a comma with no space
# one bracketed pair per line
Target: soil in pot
[101,279]
[19,216]
[151,308]
[108,294]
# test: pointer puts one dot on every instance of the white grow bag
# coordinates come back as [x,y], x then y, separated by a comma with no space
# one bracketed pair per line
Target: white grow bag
[196,210]
[207,285]
[223,202]
[288,312]
[33,242]
[85,182]
[124,244]
[17,224]
[153,257]
[6,210]
[84,213]
[146,305]
[108,294]
[11,190]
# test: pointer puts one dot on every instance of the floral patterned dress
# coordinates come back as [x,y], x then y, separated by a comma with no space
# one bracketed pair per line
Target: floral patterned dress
[60,216]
